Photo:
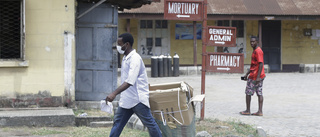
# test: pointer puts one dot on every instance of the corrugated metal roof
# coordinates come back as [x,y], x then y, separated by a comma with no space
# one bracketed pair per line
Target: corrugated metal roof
[154,7]
[246,7]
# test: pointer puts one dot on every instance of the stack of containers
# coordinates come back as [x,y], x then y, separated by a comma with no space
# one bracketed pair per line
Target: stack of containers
[161,66]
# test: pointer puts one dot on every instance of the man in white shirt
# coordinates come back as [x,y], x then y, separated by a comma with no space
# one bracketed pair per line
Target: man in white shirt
[134,90]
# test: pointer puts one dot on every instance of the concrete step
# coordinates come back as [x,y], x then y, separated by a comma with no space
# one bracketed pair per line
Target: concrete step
[86,120]
[50,117]
[101,124]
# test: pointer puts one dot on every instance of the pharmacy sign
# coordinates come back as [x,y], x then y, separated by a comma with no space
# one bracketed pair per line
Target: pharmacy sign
[224,62]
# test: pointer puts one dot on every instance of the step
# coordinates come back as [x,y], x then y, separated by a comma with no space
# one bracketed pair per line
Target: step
[86,120]
[52,117]
[101,124]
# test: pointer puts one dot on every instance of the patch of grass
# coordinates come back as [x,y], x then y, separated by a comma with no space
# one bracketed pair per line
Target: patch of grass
[45,131]
[216,127]
[5,129]
[241,128]
[127,132]
[86,132]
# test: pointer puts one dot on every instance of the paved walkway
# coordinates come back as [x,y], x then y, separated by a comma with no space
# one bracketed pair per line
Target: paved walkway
[290,108]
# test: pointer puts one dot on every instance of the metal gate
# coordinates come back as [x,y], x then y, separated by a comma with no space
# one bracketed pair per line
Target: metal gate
[96,61]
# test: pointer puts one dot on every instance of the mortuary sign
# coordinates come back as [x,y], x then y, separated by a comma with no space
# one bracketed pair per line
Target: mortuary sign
[183,10]
[221,36]
[225,62]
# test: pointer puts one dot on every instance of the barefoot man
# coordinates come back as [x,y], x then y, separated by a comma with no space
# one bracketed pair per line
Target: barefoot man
[254,78]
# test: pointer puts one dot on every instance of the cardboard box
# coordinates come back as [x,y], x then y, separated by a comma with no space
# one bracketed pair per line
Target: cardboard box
[171,103]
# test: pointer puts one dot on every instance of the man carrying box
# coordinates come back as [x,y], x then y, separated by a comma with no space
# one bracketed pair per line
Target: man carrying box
[134,97]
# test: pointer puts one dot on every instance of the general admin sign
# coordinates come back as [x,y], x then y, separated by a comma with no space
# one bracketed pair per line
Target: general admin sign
[183,10]
[224,62]
[221,36]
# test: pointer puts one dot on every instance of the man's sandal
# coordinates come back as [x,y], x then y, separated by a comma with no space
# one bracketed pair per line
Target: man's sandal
[244,113]
[257,114]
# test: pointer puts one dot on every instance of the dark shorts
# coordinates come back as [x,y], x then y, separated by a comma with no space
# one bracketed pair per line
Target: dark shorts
[252,87]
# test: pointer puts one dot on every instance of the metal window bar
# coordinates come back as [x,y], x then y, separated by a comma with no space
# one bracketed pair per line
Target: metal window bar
[11,17]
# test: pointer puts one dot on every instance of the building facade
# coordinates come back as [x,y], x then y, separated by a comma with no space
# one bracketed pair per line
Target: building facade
[289,32]
[37,52]
[56,52]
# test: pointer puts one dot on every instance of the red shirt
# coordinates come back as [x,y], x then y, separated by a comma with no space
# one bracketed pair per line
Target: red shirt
[256,58]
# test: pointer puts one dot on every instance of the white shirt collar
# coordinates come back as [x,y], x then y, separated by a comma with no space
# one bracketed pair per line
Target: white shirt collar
[130,54]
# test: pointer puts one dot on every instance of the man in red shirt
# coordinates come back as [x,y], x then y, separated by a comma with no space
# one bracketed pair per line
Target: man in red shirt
[255,79]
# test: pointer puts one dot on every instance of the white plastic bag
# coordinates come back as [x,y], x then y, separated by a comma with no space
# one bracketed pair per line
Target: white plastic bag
[106,108]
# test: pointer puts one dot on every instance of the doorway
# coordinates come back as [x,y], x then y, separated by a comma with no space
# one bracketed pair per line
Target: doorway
[96,61]
[271,44]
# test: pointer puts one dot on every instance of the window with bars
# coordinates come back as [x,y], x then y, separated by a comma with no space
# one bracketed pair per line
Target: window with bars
[158,42]
[239,24]
[161,24]
[153,35]
[11,29]
[149,42]
[146,24]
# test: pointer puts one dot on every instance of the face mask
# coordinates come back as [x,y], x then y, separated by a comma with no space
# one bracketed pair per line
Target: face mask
[119,49]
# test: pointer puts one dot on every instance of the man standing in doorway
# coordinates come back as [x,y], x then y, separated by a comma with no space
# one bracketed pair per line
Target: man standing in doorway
[134,97]
[256,76]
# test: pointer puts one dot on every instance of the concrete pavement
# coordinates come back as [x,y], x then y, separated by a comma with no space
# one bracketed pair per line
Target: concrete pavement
[290,101]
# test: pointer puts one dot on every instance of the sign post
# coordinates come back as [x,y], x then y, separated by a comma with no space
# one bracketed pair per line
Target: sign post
[183,10]
[218,62]
[191,10]
[222,36]
[204,49]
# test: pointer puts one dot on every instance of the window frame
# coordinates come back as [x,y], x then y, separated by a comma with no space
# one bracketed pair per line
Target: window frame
[19,62]
[230,23]
[242,39]
[143,35]
[156,44]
